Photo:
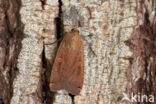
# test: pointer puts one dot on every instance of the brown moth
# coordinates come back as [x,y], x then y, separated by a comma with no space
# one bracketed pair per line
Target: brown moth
[68,68]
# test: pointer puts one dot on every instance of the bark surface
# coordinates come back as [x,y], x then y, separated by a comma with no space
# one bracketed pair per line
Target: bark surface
[119,48]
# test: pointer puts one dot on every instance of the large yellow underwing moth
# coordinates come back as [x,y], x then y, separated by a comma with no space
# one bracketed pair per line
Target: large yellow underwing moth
[68,68]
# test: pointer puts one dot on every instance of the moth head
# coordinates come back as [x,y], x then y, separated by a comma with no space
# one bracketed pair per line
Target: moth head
[75,30]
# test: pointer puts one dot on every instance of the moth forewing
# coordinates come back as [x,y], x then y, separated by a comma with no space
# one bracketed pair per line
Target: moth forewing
[68,68]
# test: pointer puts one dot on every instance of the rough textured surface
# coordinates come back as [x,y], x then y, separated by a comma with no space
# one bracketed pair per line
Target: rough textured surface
[39,27]
[105,26]
[114,51]
[10,39]
[143,45]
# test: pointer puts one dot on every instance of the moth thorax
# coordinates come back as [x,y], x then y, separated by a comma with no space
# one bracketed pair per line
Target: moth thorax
[74,42]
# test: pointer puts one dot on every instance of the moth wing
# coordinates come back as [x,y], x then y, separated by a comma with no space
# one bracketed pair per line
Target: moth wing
[55,78]
[73,80]
[68,69]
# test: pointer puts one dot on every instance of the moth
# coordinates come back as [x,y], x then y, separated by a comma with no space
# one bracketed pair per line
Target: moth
[68,68]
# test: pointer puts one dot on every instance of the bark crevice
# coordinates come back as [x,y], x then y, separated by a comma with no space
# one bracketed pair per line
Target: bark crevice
[142,44]
[47,95]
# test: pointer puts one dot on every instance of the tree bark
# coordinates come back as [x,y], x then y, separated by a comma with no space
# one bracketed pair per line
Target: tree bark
[120,49]
[11,35]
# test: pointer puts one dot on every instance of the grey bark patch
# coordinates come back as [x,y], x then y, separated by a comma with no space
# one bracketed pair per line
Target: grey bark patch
[73,12]
[81,21]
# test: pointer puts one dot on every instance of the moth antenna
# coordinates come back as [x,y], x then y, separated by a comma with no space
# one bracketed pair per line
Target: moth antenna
[91,49]
[54,42]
